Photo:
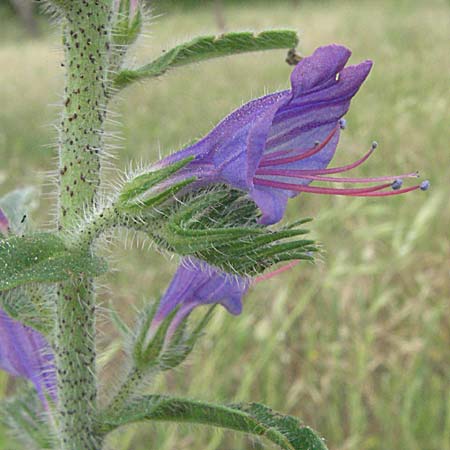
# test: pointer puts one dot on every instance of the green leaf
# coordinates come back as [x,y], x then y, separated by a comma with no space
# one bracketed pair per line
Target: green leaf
[253,418]
[208,47]
[31,304]
[43,257]
[24,416]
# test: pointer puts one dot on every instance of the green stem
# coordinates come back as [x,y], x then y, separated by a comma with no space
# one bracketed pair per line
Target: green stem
[86,44]
[96,225]
[129,387]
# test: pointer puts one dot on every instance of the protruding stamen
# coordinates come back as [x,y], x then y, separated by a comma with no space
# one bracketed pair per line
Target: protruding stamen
[267,276]
[398,192]
[319,190]
[268,161]
[342,124]
[366,192]
[334,169]
[305,174]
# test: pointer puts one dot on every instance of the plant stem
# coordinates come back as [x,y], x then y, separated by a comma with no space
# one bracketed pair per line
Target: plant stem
[86,46]
[127,389]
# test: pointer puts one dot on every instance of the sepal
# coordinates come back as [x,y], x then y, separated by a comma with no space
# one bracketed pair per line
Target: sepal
[25,417]
[182,342]
[128,22]
[165,345]
[221,227]
[149,342]
[152,188]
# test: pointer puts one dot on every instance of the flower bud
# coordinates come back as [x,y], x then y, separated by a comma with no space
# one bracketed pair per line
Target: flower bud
[163,343]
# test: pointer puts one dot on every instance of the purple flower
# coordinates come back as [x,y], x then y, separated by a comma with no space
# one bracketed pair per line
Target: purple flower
[275,146]
[25,353]
[196,283]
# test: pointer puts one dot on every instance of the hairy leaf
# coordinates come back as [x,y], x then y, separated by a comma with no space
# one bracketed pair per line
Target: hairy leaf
[207,47]
[23,415]
[42,257]
[31,304]
[253,418]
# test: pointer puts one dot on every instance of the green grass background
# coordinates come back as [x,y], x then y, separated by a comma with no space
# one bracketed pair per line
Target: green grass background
[356,345]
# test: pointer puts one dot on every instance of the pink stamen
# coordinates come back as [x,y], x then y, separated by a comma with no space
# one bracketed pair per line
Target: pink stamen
[304,174]
[337,169]
[268,161]
[397,192]
[321,190]
[366,192]
[276,272]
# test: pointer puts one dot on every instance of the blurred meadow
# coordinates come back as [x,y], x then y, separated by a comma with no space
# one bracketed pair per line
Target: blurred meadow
[357,345]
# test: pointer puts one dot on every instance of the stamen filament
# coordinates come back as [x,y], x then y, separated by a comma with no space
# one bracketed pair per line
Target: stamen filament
[268,161]
[273,273]
[340,168]
[320,190]
[388,193]
[352,192]
[304,174]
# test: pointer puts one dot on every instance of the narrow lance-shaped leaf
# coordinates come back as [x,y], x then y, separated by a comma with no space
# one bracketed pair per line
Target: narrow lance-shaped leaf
[23,415]
[256,419]
[32,305]
[132,198]
[43,257]
[208,47]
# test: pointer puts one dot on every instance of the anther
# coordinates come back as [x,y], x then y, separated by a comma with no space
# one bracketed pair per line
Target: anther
[342,124]
[374,145]
[424,185]
[397,184]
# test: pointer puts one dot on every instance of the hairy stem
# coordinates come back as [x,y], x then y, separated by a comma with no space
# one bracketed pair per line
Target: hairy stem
[86,45]
[132,382]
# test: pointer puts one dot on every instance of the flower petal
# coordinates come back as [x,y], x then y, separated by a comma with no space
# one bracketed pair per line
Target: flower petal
[25,353]
[272,203]
[196,283]
[319,68]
